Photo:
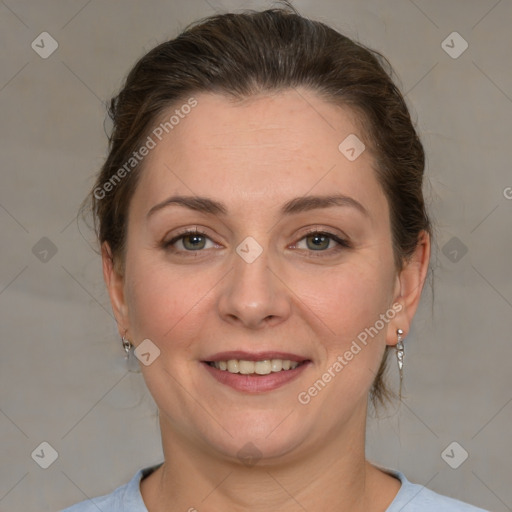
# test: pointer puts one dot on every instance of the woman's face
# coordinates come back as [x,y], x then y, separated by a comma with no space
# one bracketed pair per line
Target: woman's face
[257,284]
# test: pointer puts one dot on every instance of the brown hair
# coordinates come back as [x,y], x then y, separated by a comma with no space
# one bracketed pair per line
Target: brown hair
[243,54]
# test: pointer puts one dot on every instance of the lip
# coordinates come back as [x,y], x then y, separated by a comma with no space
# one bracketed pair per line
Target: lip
[258,383]
[254,356]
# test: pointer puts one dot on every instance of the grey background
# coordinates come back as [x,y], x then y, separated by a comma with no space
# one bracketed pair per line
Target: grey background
[62,374]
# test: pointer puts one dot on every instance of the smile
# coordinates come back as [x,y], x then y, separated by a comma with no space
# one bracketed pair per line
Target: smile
[264,367]
[255,373]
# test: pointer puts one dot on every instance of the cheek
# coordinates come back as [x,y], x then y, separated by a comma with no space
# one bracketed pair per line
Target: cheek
[353,303]
[349,298]
[164,303]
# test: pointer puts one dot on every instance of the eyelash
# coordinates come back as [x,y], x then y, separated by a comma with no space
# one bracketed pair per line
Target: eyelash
[342,243]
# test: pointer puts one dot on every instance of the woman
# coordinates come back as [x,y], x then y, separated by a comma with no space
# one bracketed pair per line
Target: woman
[264,243]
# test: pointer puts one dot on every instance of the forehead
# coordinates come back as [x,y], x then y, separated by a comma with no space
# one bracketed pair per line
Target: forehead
[263,150]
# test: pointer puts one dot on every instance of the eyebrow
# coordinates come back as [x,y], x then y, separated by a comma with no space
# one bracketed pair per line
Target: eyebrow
[297,205]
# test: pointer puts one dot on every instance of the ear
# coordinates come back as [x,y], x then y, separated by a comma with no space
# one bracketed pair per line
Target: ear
[408,288]
[115,286]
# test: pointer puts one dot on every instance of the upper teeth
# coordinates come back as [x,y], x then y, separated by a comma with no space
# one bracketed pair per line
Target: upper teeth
[260,367]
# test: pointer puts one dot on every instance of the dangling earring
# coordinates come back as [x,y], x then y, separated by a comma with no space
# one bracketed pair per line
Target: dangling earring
[400,358]
[132,363]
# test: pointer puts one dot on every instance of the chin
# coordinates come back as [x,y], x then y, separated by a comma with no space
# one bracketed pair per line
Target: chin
[258,437]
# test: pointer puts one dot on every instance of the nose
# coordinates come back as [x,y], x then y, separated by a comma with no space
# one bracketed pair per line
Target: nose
[254,296]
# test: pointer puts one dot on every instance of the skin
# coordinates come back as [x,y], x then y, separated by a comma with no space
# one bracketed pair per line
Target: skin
[254,156]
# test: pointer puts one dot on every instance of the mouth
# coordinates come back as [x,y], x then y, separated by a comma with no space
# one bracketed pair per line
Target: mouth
[262,367]
[254,373]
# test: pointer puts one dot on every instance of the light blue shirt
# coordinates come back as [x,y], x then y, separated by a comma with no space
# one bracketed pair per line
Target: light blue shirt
[410,498]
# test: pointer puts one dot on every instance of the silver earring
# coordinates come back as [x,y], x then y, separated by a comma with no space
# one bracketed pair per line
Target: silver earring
[400,358]
[132,363]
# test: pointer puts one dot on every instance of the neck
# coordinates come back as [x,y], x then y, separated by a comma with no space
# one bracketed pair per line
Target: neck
[332,475]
